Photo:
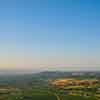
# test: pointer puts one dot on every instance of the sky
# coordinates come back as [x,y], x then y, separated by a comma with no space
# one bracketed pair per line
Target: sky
[49,35]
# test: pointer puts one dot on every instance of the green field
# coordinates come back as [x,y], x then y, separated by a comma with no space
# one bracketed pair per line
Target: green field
[34,97]
[36,87]
[64,97]
[37,96]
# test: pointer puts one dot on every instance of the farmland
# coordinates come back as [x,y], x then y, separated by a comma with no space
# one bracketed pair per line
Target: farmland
[39,87]
[75,87]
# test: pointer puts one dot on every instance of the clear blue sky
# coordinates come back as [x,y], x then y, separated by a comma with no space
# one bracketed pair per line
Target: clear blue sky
[50,34]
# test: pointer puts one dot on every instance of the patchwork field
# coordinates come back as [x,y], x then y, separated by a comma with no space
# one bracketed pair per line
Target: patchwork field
[40,87]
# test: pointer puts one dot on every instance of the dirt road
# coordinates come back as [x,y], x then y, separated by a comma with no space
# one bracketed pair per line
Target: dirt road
[58,98]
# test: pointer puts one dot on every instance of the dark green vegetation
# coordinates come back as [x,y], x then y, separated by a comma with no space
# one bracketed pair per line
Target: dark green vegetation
[36,87]
[64,97]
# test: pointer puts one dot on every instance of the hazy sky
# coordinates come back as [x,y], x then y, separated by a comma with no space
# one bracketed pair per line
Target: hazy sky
[50,34]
